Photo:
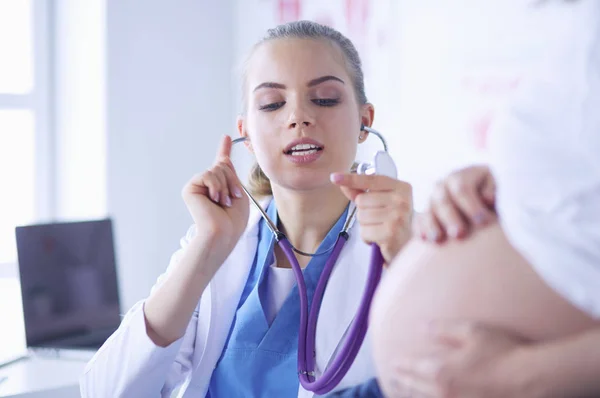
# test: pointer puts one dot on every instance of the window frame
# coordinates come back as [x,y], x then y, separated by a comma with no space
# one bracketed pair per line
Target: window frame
[39,102]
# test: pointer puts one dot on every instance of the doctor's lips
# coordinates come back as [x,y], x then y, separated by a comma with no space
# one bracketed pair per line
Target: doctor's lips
[303,147]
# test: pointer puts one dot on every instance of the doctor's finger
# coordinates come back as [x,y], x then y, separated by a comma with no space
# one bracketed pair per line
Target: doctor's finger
[233,183]
[211,181]
[378,233]
[383,216]
[225,196]
[224,151]
[390,199]
[447,213]
[350,193]
[467,197]
[369,182]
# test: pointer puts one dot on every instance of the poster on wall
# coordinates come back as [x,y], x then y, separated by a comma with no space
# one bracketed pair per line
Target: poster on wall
[438,72]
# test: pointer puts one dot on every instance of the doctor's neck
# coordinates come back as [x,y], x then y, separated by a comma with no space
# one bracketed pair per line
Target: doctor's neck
[306,217]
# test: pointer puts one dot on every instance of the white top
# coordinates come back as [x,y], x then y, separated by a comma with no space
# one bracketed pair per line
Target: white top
[279,285]
[545,155]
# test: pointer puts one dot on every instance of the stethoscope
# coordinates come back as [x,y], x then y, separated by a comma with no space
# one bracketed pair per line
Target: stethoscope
[382,164]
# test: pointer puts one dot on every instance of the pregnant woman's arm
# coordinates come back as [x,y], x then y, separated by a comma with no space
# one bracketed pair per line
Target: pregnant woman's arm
[477,361]
[465,359]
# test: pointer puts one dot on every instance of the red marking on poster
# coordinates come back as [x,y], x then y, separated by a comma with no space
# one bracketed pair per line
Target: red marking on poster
[357,13]
[326,20]
[488,86]
[481,128]
[288,10]
[489,92]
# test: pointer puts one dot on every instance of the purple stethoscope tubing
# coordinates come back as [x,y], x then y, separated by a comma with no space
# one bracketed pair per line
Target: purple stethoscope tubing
[336,371]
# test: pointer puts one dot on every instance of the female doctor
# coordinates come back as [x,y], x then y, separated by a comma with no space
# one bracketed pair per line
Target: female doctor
[223,320]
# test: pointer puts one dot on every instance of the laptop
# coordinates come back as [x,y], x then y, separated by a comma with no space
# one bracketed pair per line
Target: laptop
[69,288]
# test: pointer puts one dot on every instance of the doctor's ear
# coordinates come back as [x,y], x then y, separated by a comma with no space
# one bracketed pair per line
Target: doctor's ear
[367,116]
[363,134]
[241,125]
[362,137]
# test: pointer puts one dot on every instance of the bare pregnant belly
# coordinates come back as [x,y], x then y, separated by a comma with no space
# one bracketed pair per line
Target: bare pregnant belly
[481,279]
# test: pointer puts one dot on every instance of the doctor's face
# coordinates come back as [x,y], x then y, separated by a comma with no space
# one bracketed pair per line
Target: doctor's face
[302,114]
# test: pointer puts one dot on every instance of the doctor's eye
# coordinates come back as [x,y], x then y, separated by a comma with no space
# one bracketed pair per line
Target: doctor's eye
[326,101]
[271,107]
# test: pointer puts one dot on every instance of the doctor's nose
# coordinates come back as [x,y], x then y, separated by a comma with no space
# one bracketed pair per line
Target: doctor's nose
[300,119]
[305,123]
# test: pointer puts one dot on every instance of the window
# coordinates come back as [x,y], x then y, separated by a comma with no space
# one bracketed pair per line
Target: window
[25,166]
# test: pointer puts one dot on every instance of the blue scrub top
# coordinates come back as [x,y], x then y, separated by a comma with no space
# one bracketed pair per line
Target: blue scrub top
[260,360]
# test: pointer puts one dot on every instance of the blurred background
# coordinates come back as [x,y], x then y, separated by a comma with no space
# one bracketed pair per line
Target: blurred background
[107,107]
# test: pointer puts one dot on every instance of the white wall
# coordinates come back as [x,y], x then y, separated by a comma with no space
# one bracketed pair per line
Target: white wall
[460,63]
[169,100]
[436,71]
[79,93]
[169,72]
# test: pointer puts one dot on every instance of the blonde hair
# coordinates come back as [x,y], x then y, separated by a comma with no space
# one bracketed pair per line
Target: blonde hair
[258,182]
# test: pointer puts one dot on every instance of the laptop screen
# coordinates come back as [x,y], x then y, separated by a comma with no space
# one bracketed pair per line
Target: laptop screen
[68,283]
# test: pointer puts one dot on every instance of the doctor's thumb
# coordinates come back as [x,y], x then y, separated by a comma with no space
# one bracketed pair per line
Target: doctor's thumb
[350,193]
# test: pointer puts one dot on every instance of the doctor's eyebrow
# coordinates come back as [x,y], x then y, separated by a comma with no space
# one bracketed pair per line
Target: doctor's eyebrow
[320,80]
[311,83]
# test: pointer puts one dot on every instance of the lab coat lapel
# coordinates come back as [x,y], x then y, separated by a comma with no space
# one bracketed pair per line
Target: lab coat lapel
[219,301]
[342,297]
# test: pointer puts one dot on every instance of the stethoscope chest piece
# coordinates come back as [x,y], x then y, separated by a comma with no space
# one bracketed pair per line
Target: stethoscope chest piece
[382,164]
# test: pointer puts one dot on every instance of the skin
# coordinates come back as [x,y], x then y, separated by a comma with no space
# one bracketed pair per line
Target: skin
[460,203]
[509,351]
[295,88]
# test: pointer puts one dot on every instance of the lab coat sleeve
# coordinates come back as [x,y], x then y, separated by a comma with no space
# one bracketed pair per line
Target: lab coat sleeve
[129,364]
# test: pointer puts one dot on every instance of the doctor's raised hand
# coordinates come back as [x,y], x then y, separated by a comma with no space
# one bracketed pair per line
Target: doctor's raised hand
[384,209]
[216,201]
[220,213]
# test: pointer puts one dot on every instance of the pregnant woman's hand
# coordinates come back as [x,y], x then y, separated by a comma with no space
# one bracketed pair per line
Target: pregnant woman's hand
[461,202]
[467,361]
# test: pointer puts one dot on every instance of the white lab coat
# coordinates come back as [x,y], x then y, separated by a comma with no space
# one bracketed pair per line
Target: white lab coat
[131,365]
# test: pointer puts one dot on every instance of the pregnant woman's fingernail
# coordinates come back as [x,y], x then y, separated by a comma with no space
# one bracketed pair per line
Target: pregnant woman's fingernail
[453,231]
[227,201]
[215,197]
[433,236]
[480,218]
[237,192]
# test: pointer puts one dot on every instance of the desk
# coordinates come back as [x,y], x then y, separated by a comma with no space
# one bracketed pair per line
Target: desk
[32,377]
[12,333]
[41,378]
